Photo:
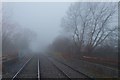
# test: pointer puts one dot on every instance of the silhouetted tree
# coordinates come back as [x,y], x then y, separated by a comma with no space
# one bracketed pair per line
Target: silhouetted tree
[90,24]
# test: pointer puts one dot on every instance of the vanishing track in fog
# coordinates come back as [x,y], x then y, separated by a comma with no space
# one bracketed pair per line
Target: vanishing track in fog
[42,66]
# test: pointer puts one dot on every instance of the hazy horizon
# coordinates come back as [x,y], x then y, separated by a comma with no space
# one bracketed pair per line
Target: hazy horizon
[43,18]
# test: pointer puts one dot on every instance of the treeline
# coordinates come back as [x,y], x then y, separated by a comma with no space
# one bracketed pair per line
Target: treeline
[89,29]
[15,39]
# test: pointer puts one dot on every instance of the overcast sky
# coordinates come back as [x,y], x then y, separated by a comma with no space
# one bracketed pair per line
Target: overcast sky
[42,17]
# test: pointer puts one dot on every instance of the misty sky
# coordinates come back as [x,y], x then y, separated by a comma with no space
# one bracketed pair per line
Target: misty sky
[42,17]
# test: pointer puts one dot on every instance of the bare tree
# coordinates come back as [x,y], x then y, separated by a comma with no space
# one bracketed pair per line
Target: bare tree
[7,35]
[90,23]
[15,39]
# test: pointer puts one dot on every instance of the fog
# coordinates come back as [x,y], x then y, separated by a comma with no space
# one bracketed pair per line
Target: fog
[81,34]
[43,18]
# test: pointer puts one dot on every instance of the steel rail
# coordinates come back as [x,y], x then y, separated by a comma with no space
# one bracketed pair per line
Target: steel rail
[38,69]
[20,69]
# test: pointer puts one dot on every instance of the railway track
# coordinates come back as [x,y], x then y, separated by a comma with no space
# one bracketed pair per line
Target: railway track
[67,76]
[28,70]
[51,70]
[75,73]
[20,69]
[32,69]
